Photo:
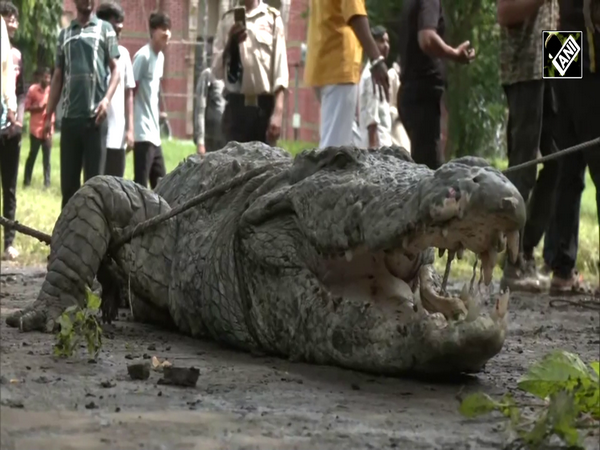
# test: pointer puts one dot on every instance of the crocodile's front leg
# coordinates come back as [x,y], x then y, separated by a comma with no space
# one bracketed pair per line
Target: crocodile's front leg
[93,217]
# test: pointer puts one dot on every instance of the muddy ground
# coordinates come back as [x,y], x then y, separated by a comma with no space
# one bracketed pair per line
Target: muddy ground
[251,402]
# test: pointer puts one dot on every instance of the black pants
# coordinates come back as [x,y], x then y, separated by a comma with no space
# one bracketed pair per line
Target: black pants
[115,162]
[531,121]
[579,114]
[34,148]
[82,146]
[148,164]
[243,122]
[419,107]
[10,150]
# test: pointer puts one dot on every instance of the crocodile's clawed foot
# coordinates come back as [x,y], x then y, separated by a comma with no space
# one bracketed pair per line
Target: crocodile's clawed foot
[35,318]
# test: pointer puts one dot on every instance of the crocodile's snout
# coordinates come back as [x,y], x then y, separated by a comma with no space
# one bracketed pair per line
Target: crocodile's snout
[459,191]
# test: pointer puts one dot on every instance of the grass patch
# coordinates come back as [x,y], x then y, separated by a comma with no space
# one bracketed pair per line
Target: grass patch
[39,208]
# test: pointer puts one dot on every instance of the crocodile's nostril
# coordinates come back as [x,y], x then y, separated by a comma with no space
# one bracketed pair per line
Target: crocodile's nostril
[509,203]
[477,179]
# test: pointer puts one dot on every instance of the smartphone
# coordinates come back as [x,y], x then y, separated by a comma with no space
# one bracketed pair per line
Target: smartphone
[239,15]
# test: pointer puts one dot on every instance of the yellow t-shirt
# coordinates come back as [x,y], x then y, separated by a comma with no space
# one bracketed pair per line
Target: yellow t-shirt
[334,53]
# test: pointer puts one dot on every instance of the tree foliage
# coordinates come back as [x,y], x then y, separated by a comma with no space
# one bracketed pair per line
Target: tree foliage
[474,98]
[40,23]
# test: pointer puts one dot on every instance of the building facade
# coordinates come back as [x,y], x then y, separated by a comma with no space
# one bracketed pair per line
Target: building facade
[194,23]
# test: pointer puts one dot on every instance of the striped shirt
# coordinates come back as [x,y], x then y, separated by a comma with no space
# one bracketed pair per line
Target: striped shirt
[83,54]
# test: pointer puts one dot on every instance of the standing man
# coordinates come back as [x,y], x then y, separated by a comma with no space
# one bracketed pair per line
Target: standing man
[422,57]
[148,66]
[579,122]
[375,118]
[36,103]
[10,134]
[209,114]
[531,116]
[120,112]
[87,52]
[338,31]
[251,58]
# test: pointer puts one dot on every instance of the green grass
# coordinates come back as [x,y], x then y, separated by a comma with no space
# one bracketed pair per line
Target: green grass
[39,208]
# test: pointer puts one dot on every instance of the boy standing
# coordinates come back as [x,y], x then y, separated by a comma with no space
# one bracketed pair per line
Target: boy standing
[375,119]
[120,112]
[35,103]
[148,64]
[86,53]
[11,127]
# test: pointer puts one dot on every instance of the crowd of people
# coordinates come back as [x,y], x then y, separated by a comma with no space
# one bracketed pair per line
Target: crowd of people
[111,102]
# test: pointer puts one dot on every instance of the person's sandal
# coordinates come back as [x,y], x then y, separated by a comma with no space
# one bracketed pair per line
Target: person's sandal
[575,285]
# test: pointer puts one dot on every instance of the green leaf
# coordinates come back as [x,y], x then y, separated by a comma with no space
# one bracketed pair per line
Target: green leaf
[558,370]
[596,367]
[563,413]
[71,309]
[66,326]
[538,433]
[477,404]
[93,301]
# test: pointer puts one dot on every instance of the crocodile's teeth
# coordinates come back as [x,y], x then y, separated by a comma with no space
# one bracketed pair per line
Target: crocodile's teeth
[501,307]
[500,242]
[348,255]
[488,261]
[471,301]
[460,252]
[512,243]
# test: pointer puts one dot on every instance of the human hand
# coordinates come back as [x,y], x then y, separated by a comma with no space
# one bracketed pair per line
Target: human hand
[238,32]
[10,117]
[47,128]
[129,140]
[101,110]
[274,128]
[381,80]
[464,53]
[201,150]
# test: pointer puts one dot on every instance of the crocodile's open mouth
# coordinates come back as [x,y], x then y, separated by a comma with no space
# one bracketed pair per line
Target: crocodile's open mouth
[400,279]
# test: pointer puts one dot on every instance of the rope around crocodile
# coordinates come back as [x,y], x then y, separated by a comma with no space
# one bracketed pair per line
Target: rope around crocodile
[133,231]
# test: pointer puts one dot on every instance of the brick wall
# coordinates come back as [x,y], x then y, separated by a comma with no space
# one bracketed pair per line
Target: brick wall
[177,88]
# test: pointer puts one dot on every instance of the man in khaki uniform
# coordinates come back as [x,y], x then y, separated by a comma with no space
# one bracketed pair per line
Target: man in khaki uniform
[251,59]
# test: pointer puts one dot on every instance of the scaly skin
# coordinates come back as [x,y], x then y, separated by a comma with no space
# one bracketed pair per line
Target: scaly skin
[324,258]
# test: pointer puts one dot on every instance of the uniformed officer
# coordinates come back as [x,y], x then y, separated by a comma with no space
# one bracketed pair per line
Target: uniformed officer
[251,58]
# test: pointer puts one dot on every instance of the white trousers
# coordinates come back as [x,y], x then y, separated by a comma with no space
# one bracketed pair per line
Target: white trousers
[338,108]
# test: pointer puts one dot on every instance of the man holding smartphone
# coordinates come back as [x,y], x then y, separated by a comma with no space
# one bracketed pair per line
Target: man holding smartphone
[250,56]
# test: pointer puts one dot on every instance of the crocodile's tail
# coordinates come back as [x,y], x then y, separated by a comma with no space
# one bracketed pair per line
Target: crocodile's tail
[80,241]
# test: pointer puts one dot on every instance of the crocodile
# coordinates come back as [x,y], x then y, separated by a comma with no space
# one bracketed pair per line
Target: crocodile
[326,257]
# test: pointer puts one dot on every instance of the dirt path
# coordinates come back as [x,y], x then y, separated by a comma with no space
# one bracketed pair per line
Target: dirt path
[247,402]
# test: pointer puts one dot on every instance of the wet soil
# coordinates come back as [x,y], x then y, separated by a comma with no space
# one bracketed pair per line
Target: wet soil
[244,401]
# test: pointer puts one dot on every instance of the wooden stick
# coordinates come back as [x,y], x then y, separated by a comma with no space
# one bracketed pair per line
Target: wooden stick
[27,231]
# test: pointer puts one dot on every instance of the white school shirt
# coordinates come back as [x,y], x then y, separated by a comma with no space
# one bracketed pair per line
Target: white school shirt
[115,138]
[373,110]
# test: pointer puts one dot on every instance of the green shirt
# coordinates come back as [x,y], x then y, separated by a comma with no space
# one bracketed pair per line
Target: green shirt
[521,50]
[83,54]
